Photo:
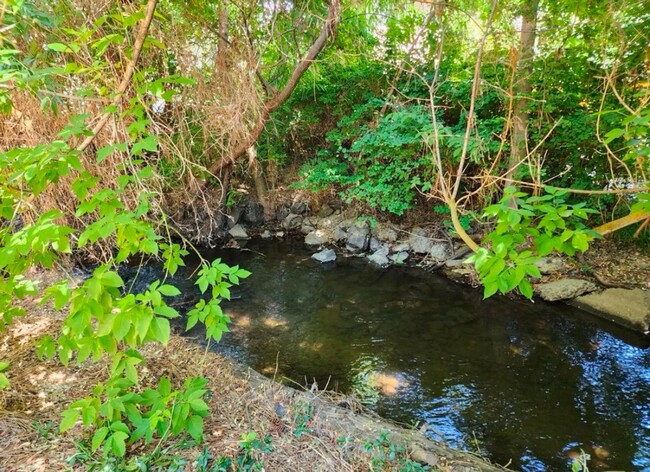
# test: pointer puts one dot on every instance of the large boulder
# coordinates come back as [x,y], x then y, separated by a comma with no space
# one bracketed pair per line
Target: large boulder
[254,214]
[358,237]
[326,255]
[564,289]
[419,241]
[317,238]
[238,232]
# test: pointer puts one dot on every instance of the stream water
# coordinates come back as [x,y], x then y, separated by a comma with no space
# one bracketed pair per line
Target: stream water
[517,381]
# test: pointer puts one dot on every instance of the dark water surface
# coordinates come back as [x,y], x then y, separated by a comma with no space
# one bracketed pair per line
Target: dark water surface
[520,381]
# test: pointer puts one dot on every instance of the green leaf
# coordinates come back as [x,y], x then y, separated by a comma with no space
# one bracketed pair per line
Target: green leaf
[194,427]
[70,417]
[98,438]
[526,288]
[159,330]
[118,443]
[169,290]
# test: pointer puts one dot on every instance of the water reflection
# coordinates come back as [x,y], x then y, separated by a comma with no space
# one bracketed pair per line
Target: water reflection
[531,383]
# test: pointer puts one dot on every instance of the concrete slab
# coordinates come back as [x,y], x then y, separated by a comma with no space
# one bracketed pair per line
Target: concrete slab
[627,307]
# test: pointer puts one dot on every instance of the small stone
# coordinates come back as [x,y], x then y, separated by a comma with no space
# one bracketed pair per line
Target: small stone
[292,221]
[238,232]
[439,252]
[330,222]
[266,234]
[419,241]
[358,237]
[380,257]
[399,257]
[402,247]
[316,238]
[326,255]
[564,289]
[307,226]
[279,234]
[339,234]
[299,208]
[325,211]
[385,233]
[233,217]
[282,213]
[374,244]
[550,265]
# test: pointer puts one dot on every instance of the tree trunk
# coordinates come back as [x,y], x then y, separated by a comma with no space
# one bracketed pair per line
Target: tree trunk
[255,169]
[521,88]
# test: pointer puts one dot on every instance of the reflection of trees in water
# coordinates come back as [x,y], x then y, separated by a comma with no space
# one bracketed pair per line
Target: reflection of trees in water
[531,381]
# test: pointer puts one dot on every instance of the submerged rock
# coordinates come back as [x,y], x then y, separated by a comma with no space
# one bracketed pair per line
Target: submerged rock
[564,289]
[326,255]
[317,238]
[419,241]
[238,232]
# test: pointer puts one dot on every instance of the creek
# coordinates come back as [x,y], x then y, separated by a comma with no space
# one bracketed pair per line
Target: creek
[530,383]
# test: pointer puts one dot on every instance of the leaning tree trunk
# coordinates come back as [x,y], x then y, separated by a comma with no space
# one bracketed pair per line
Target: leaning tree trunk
[522,88]
[281,96]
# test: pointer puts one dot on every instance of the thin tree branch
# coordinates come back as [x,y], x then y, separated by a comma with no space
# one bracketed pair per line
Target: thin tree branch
[128,74]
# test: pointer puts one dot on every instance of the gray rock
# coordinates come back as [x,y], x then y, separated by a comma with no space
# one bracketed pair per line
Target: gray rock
[299,208]
[292,221]
[317,238]
[358,237]
[453,263]
[279,234]
[399,257]
[420,243]
[254,214]
[326,255]
[627,307]
[374,244]
[307,226]
[330,222]
[550,265]
[380,257]
[325,211]
[564,289]
[439,252]
[266,234]
[282,213]
[238,232]
[402,247]
[385,233]
[233,216]
[339,234]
